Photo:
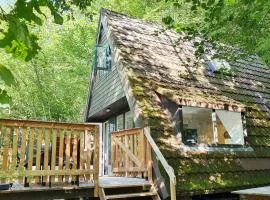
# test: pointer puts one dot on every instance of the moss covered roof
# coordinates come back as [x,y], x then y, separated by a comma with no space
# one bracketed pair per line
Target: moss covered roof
[160,62]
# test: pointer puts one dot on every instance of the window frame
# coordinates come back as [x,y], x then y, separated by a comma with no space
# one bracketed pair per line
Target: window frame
[215,131]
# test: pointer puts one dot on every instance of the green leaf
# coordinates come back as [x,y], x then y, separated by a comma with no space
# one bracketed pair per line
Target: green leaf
[5,99]
[168,20]
[6,76]
[230,2]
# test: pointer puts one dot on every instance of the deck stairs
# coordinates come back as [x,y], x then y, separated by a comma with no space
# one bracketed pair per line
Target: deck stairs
[128,191]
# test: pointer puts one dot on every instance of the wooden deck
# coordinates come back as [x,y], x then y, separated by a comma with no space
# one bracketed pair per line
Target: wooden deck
[49,156]
[62,190]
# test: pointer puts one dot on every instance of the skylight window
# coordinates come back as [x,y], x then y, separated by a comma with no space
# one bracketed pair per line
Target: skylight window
[217,66]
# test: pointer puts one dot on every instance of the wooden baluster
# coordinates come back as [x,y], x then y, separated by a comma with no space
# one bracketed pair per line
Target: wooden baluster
[74,154]
[81,151]
[22,154]
[142,151]
[1,147]
[149,162]
[96,161]
[46,152]
[112,152]
[89,153]
[53,157]
[135,151]
[5,152]
[15,149]
[126,155]
[30,152]
[61,151]
[38,153]
[67,154]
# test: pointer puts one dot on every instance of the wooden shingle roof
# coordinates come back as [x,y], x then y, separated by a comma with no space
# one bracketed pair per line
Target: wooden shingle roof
[159,62]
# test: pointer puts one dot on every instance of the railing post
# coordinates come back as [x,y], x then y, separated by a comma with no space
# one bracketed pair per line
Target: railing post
[149,162]
[96,162]
[169,170]
[126,155]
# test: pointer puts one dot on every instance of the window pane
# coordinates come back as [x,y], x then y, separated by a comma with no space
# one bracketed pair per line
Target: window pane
[128,120]
[197,125]
[230,127]
[120,122]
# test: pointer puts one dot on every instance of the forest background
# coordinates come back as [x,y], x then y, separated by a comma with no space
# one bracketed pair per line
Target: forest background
[46,46]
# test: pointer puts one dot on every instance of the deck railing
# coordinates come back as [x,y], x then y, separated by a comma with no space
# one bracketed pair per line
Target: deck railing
[48,152]
[131,156]
[130,153]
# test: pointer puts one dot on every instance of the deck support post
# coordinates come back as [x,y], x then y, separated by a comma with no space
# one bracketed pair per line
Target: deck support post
[96,162]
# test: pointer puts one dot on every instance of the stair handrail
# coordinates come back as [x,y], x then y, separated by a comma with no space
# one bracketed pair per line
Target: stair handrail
[169,170]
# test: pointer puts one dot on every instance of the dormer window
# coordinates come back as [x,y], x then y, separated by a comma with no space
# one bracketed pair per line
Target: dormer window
[208,126]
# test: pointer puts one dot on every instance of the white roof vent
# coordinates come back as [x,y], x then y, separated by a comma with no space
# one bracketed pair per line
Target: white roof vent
[218,66]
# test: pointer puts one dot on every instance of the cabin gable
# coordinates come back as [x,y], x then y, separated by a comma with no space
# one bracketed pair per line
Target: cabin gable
[106,88]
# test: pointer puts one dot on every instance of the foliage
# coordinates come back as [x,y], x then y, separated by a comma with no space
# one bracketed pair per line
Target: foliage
[56,40]
[17,39]
[53,84]
[241,23]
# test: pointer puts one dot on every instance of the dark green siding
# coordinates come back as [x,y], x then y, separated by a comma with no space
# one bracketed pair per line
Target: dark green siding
[106,90]
[107,87]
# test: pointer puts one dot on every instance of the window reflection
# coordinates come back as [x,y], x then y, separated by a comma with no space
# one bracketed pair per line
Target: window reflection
[197,125]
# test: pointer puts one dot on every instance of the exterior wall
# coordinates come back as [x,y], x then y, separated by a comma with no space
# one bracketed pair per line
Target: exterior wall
[106,87]
[106,90]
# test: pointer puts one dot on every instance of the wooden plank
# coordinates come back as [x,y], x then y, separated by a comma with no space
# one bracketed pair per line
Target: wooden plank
[15,148]
[67,152]
[31,151]
[75,153]
[130,169]
[44,124]
[126,132]
[112,152]
[81,151]
[46,152]
[5,151]
[149,162]
[31,173]
[22,154]
[128,152]
[142,148]
[61,151]
[89,153]
[53,157]
[130,195]
[96,161]
[1,157]
[38,154]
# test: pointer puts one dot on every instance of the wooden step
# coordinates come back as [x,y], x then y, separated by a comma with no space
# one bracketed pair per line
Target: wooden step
[125,186]
[130,195]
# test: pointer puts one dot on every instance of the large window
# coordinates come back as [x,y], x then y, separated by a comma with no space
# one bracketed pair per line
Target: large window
[124,121]
[120,122]
[229,127]
[128,120]
[197,125]
[207,126]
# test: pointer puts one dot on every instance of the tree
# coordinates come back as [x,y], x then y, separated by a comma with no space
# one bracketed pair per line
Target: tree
[16,38]
[53,84]
[240,23]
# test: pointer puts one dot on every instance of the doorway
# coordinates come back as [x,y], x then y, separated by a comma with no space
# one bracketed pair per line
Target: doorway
[108,127]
